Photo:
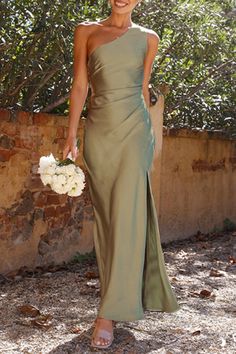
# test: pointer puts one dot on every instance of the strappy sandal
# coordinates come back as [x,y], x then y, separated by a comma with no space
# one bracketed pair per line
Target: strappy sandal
[103,333]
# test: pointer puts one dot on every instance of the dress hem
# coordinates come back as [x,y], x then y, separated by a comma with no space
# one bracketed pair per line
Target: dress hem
[139,317]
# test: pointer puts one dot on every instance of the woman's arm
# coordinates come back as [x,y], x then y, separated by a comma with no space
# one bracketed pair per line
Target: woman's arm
[152,44]
[79,89]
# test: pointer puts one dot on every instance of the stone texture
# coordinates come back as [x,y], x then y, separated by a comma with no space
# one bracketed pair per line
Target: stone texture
[37,226]
[198,184]
[193,182]
[6,142]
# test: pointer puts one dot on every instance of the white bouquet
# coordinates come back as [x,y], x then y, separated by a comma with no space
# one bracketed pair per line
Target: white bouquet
[63,176]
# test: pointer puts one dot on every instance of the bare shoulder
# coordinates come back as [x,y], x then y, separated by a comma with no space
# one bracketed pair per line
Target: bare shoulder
[85,28]
[153,37]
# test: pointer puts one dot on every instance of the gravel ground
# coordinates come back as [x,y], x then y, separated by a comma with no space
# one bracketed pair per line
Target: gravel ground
[51,310]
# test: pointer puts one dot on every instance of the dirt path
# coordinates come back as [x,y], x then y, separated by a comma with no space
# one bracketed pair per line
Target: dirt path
[202,271]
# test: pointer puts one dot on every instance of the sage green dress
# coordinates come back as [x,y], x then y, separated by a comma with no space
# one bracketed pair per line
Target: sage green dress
[118,151]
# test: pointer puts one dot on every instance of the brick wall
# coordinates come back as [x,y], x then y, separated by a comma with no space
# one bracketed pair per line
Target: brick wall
[193,182]
[37,226]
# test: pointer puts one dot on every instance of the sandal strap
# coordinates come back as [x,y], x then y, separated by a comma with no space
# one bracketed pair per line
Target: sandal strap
[104,334]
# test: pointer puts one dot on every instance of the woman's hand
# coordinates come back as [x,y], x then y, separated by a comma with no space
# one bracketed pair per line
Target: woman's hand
[70,146]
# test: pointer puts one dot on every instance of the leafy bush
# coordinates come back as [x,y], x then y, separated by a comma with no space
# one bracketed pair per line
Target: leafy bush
[193,69]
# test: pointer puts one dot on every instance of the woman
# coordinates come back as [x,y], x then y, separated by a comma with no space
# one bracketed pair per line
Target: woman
[116,56]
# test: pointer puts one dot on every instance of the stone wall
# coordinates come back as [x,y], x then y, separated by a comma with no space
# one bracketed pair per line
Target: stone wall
[193,181]
[37,226]
[198,182]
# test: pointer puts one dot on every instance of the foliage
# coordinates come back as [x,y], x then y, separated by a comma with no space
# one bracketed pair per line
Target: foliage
[195,62]
[83,257]
[229,225]
[193,68]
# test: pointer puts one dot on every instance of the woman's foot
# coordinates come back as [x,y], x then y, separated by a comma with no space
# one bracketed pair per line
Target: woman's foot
[95,321]
[103,333]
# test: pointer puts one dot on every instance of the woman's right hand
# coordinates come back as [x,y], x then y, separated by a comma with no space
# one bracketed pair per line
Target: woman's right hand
[70,146]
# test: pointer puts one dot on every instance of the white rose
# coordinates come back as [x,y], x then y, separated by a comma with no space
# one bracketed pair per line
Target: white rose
[45,161]
[70,169]
[75,191]
[50,170]
[46,179]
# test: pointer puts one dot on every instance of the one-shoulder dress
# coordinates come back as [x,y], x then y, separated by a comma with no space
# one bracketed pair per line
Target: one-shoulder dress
[118,149]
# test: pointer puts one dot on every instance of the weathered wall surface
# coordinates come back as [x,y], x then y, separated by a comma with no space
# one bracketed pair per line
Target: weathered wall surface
[198,182]
[37,226]
[193,181]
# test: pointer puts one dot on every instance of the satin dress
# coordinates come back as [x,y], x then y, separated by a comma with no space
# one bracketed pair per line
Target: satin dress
[118,150]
